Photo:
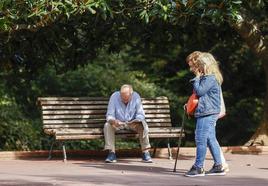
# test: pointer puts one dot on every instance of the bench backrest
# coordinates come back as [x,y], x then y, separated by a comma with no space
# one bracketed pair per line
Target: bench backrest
[89,112]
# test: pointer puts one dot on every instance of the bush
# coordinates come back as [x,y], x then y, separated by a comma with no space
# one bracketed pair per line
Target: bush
[16,131]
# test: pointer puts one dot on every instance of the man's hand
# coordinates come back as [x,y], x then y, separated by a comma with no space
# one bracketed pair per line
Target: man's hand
[115,123]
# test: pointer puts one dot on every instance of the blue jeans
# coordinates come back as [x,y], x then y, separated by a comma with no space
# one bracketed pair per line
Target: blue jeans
[205,136]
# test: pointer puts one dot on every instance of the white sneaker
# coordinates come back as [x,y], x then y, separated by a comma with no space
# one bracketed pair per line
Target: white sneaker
[225,167]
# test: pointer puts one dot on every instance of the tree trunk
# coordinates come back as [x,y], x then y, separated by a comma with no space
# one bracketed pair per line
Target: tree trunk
[260,137]
[249,31]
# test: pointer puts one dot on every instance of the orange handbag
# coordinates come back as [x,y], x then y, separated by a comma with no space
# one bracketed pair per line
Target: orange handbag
[192,104]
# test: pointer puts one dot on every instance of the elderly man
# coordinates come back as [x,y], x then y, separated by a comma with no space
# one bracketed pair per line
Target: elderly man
[125,111]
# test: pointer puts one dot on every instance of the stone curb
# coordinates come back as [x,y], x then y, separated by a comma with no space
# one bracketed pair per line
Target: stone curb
[160,152]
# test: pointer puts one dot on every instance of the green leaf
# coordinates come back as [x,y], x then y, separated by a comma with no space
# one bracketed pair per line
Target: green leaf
[184,2]
[104,16]
[3,24]
[237,2]
[92,10]
[146,16]
[165,8]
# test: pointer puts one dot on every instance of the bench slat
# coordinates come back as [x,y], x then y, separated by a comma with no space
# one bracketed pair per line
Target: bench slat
[82,121]
[71,116]
[86,116]
[97,136]
[75,107]
[100,125]
[100,131]
[78,102]
[99,102]
[40,99]
[158,120]
[47,112]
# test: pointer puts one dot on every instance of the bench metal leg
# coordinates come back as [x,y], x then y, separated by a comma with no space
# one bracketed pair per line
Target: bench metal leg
[64,153]
[169,150]
[51,149]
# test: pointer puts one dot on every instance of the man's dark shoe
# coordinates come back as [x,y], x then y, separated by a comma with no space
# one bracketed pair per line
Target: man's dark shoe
[111,158]
[195,172]
[216,170]
[146,157]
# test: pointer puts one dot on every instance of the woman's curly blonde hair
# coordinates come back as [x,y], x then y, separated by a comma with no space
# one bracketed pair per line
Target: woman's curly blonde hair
[206,63]
[193,57]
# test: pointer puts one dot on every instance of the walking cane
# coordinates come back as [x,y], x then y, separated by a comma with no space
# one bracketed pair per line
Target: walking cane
[179,143]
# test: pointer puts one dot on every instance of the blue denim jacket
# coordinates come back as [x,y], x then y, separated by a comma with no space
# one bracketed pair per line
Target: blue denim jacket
[208,90]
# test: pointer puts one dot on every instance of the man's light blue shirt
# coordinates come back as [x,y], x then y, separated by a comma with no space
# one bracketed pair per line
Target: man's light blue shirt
[125,112]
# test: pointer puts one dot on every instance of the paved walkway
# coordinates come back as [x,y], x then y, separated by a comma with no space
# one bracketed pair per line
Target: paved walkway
[245,170]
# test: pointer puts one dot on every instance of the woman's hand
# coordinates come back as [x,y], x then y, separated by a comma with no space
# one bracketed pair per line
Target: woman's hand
[198,73]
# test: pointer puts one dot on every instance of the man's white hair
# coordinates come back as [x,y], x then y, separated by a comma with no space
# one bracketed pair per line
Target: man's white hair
[127,86]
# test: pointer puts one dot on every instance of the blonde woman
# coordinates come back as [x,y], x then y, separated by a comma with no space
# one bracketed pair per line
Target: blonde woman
[214,69]
[207,86]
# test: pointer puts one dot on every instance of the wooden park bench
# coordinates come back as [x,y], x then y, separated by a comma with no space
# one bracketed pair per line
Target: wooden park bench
[83,118]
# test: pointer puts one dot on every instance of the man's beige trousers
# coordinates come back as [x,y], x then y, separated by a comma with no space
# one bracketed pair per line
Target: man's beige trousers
[109,135]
